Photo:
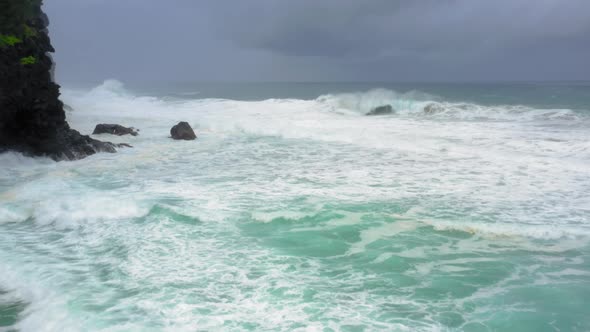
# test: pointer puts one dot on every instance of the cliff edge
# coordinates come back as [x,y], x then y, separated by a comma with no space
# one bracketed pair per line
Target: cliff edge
[32,118]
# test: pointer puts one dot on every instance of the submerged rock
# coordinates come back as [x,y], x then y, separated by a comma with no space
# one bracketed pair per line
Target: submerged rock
[433,108]
[381,110]
[183,131]
[114,129]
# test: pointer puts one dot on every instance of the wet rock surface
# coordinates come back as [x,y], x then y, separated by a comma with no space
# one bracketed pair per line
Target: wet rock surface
[32,118]
[114,129]
[182,131]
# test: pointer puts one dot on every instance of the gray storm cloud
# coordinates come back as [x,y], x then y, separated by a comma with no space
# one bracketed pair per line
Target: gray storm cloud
[443,40]
[337,27]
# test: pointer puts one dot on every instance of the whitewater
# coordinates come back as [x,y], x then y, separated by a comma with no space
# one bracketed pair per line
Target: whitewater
[303,214]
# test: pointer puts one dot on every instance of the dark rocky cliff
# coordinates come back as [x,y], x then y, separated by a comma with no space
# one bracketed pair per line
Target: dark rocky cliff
[32,118]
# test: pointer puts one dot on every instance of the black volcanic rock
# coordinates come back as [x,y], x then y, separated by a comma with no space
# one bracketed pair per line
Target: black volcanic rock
[114,129]
[32,118]
[381,110]
[182,131]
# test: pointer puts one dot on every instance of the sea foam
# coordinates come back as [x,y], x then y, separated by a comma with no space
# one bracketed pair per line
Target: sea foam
[293,214]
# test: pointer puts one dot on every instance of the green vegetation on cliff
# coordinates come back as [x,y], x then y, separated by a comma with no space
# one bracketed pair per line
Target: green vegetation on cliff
[32,118]
[29,32]
[9,40]
[29,60]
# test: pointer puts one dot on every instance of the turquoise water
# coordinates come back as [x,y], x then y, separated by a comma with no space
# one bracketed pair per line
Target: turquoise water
[301,214]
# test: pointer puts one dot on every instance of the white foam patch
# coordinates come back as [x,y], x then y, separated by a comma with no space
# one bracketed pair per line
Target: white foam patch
[14,159]
[505,230]
[43,311]
[70,212]
[349,218]
[64,203]
[383,231]
[10,214]
[569,273]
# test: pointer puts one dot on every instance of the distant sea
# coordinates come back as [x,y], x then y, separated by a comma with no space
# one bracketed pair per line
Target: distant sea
[466,209]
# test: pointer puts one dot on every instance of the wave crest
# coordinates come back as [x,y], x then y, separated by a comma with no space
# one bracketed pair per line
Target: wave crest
[420,104]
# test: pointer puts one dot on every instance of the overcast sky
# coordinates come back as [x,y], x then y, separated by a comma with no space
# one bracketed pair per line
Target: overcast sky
[320,40]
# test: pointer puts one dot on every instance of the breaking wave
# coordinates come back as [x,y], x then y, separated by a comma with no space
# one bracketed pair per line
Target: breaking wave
[419,104]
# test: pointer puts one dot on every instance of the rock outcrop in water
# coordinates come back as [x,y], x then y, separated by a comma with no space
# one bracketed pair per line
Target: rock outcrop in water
[433,108]
[114,129]
[381,110]
[32,118]
[183,131]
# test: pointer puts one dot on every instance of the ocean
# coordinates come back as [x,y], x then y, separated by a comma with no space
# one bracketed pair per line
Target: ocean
[293,211]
